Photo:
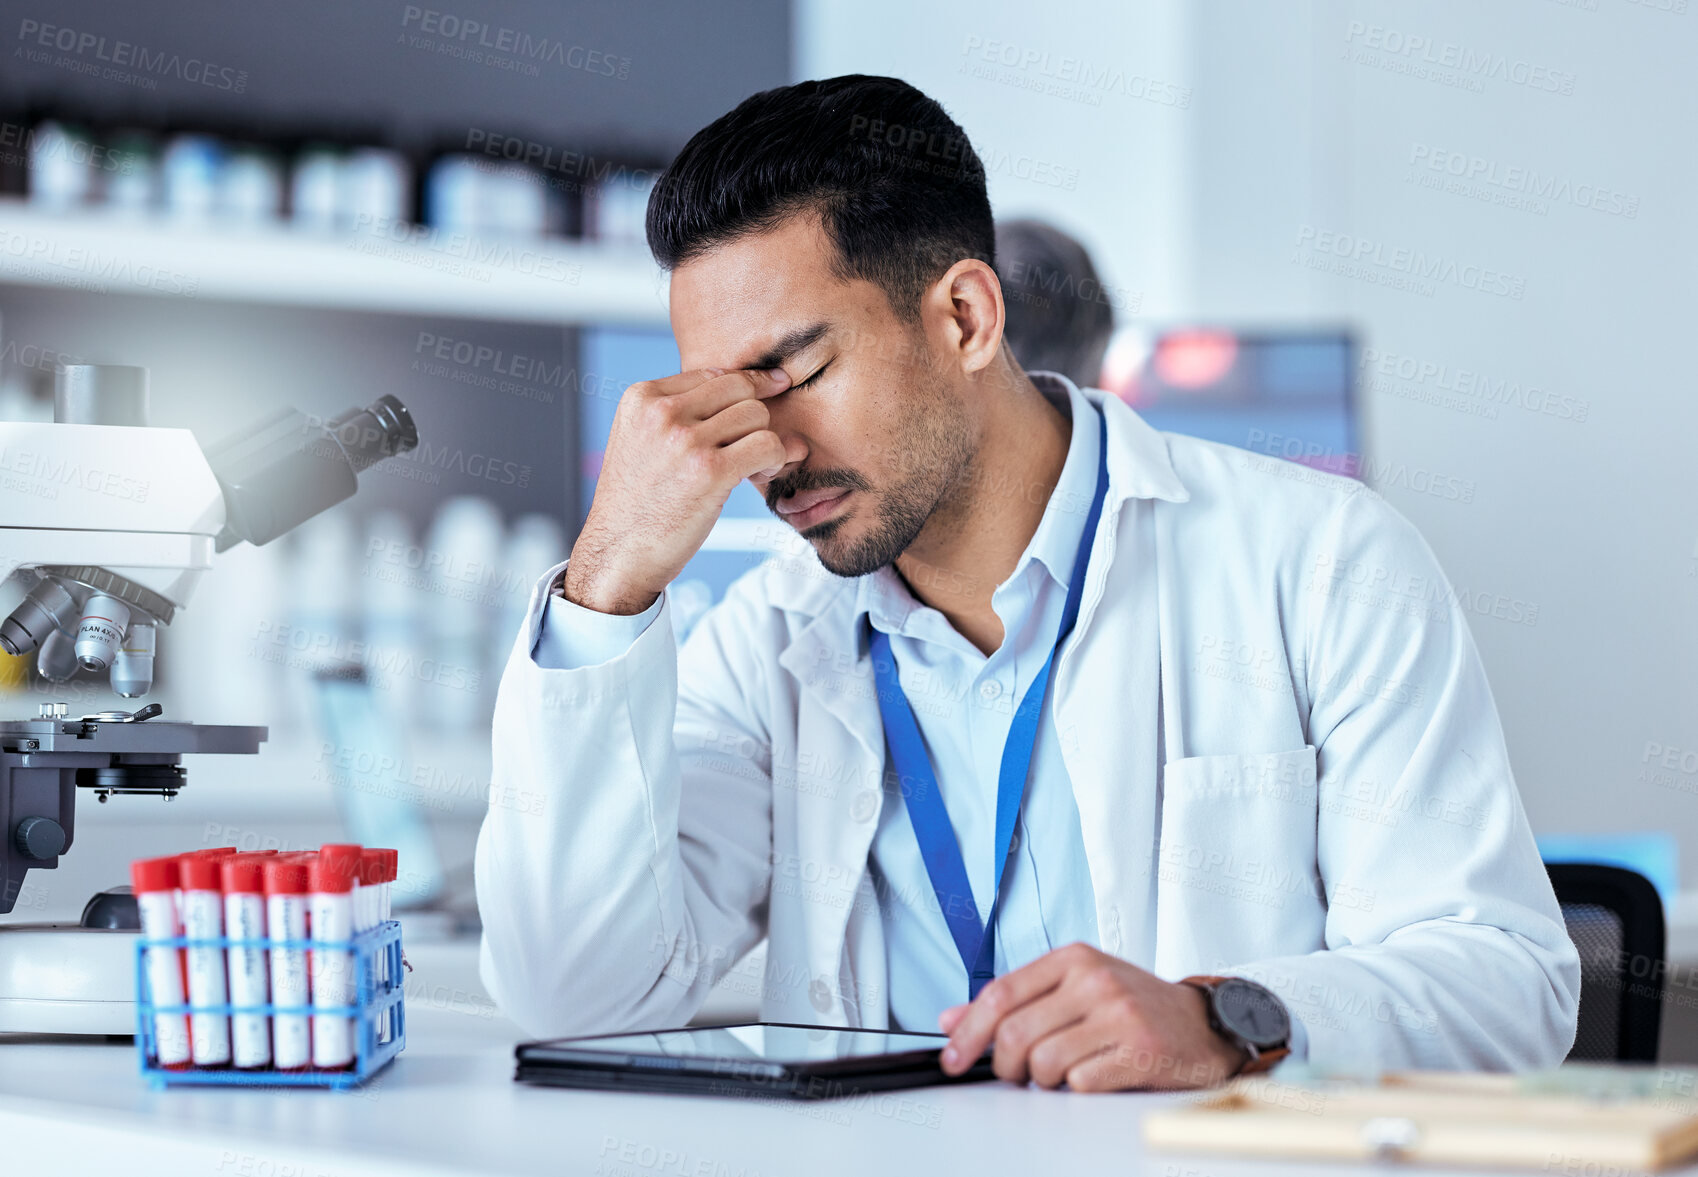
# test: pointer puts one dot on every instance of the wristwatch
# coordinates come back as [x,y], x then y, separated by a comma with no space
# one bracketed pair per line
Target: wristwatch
[1249,1016]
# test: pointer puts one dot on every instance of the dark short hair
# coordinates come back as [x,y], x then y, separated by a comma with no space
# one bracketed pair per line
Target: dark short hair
[897,184]
[1058,319]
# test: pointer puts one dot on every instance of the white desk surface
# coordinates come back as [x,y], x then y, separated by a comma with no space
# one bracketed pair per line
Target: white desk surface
[449,1106]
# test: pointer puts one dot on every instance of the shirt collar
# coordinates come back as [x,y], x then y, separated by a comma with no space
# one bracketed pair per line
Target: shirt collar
[1056,542]
[1055,545]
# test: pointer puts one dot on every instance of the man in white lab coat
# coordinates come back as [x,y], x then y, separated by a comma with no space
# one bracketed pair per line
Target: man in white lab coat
[1204,733]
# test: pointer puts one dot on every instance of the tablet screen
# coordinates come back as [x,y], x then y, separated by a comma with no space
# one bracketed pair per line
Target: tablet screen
[765,1043]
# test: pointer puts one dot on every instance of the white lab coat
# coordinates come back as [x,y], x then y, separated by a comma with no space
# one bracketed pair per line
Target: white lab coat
[1314,791]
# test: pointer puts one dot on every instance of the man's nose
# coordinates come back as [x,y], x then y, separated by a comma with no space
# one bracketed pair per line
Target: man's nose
[795,453]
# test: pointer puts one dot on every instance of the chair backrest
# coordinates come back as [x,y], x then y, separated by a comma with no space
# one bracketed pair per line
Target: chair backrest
[1615,919]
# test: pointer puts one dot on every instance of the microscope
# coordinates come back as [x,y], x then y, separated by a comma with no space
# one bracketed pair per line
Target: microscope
[113,522]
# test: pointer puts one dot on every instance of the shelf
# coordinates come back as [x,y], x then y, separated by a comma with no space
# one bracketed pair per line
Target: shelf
[290,780]
[432,273]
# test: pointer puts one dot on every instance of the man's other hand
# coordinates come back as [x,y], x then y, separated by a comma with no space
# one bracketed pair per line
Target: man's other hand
[1081,1017]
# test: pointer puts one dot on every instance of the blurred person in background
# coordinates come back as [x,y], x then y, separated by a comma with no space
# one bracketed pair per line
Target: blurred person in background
[1059,317]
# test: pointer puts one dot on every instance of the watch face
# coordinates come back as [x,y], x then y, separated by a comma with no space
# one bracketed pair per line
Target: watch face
[1252,1013]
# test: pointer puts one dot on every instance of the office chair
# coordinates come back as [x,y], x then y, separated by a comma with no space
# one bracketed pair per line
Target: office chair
[1615,919]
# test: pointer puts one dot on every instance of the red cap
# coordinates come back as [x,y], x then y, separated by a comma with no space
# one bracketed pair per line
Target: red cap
[243,874]
[215,852]
[373,863]
[153,874]
[200,872]
[285,874]
[337,868]
[391,865]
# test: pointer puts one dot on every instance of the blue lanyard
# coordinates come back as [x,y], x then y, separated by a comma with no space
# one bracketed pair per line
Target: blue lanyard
[976,940]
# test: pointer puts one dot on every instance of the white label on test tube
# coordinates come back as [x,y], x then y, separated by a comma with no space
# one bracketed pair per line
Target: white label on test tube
[286,919]
[244,919]
[333,876]
[154,882]
[203,920]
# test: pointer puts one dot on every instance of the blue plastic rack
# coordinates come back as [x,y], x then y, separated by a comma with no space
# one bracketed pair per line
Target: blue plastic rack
[372,996]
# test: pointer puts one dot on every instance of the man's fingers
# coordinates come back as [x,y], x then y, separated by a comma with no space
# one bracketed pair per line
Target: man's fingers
[760,453]
[680,381]
[712,397]
[1001,997]
[734,422]
[1033,1024]
[1053,1059]
[1118,1068]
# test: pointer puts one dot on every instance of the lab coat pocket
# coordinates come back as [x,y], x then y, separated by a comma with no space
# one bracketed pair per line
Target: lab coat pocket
[1236,861]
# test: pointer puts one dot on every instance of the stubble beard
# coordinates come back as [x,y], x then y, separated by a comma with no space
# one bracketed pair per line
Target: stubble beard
[937,447]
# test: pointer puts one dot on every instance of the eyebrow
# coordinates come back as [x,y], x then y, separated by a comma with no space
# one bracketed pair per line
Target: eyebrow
[789,344]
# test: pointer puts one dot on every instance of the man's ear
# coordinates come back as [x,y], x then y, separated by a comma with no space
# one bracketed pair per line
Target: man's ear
[966,307]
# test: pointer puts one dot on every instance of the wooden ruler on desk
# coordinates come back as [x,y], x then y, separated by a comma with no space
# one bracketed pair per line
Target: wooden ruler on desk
[1582,1116]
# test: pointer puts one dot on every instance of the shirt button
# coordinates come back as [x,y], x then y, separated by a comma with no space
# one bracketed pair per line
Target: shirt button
[989,690]
[864,805]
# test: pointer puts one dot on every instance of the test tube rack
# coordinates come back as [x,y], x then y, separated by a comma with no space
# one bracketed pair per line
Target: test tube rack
[376,989]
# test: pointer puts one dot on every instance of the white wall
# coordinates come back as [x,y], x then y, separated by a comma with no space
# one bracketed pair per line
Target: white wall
[1105,163]
[1290,134]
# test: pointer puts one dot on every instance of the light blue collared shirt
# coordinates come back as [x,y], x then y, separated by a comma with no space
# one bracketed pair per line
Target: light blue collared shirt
[964,703]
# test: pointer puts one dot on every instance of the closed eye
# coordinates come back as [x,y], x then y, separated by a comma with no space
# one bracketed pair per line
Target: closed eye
[817,373]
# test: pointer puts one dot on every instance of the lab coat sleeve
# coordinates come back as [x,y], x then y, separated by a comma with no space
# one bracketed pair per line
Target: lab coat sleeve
[1445,947]
[572,636]
[641,872]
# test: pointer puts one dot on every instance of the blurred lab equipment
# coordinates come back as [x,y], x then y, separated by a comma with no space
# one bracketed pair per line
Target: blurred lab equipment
[378,791]
[1287,393]
[61,172]
[190,172]
[474,195]
[463,564]
[534,544]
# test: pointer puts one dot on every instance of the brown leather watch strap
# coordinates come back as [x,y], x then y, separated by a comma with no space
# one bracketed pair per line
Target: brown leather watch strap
[1258,1062]
[1266,1061]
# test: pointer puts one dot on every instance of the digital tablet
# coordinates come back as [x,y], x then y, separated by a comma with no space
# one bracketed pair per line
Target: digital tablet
[771,1059]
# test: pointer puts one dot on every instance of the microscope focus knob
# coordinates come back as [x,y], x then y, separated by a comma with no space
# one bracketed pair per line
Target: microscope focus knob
[39,838]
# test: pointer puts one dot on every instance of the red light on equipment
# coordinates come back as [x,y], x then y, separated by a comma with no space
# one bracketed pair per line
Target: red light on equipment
[1194,359]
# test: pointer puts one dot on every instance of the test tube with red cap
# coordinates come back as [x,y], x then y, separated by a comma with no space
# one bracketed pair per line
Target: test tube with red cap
[208,852]
[335,872]
[244,919]
[286,889]
[202,887]
[154,883]
[365,895]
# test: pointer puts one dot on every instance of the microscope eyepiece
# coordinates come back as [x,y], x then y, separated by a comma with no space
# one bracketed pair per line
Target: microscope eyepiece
[379,431]
[290,467]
